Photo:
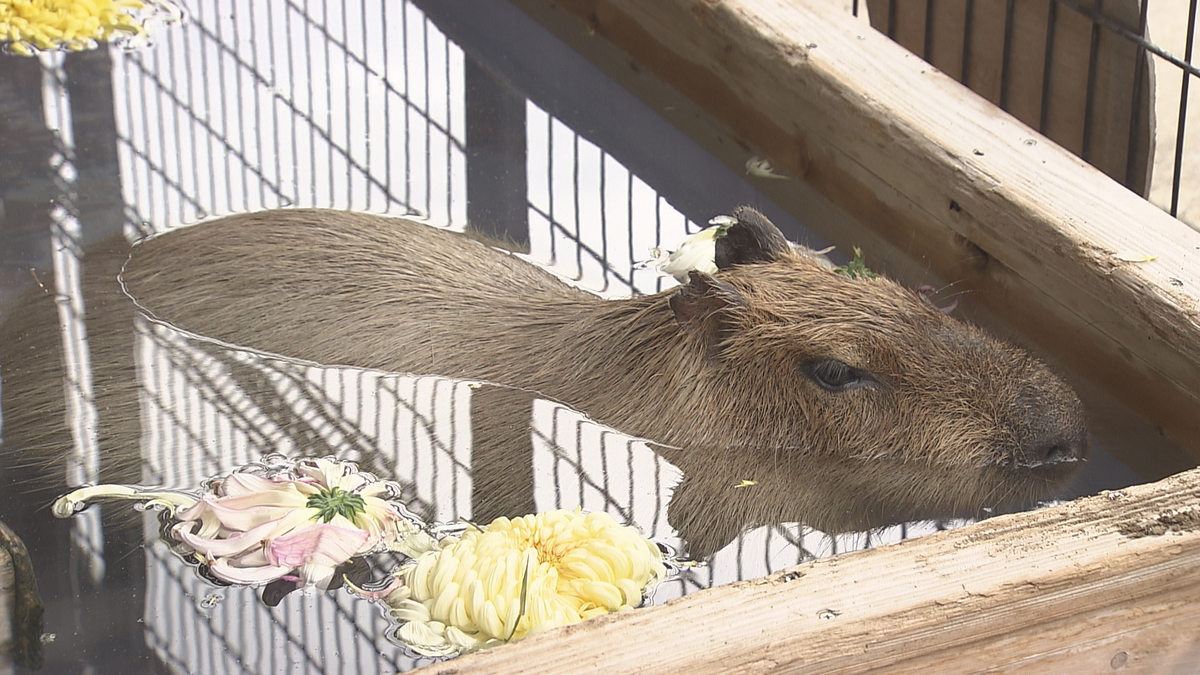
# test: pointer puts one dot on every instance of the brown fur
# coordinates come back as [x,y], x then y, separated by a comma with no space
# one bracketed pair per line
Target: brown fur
[717,371]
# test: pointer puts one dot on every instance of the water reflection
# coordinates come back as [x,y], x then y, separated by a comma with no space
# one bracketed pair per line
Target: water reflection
[161,407]
[349,105]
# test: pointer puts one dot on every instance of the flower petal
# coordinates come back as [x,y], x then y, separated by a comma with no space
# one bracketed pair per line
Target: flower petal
[320,544]
[231,517]
[233,545]
[323,471]
[241,483]
[224,570]
[69,504]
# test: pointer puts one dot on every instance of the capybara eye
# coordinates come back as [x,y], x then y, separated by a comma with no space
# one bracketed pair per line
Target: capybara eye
[833,375]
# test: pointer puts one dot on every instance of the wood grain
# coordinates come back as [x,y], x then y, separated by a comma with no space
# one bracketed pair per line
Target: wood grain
[1112,579]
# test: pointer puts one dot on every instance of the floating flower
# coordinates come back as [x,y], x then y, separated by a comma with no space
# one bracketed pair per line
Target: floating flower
[519,577]
[31,25]
[297,520]
[300,527]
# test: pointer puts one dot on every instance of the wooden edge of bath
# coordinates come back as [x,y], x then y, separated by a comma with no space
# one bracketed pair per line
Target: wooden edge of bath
[8,601]
[1103,583]
[900,153]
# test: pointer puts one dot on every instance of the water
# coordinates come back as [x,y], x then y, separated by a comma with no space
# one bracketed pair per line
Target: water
[476,117]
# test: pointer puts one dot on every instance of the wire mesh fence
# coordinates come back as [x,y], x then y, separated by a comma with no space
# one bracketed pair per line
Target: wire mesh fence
[243,107]
[364,105]
[1110,80]
[351,105]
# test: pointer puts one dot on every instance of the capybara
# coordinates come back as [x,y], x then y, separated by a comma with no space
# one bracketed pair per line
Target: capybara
[853,399]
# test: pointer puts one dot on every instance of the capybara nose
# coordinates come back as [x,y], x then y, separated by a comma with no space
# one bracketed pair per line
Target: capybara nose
[1059,436]
[1069,448]
[1053,427]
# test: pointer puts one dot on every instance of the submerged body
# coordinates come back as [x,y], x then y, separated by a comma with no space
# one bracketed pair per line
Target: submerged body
[851,403]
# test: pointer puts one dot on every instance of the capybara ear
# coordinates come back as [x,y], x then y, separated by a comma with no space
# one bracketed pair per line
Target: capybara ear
[704,307]
[751,239]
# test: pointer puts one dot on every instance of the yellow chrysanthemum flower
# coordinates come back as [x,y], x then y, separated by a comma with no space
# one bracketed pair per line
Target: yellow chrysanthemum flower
[518,577]
[30,25]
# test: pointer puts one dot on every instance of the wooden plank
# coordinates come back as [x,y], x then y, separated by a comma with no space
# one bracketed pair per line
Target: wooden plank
[8,601]
[1106,582]
[943,176]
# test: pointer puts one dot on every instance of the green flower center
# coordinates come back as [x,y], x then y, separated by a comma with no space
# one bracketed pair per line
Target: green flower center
[336,502]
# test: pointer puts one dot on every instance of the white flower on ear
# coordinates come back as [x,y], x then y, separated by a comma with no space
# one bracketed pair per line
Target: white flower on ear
[698,252]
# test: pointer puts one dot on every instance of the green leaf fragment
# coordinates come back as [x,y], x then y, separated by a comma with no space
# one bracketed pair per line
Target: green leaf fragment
[856,268]
[336,502]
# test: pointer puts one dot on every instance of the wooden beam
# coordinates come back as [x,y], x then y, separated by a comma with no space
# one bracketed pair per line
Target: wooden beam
[1110,582]
[943,176]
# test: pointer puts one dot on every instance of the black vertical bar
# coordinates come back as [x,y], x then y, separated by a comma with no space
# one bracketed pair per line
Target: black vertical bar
[225,103]
[658,234]
[408,112]
[330,154]
[1051,20]
[1006,59]
[450,196]
[387,106]
[350,111]
[312,107]
[1140,64]
[891,19]
[497,194]
[265,180]
[604,225]
[634,290]
[294,105]
[178,119]
[284,198]
[550,211]
[575,196]
[161,154]
[1183,104]
[146,90]
[1089,106]
[425,24]
[187,48]
[101,207]
[239,117]
[368,101]
[928,46]
[966,52]
[27,187]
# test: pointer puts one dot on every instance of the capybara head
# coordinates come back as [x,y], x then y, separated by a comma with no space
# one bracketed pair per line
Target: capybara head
[892,409]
